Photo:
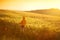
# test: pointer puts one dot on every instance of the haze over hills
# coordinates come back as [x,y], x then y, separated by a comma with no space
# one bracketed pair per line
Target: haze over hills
[52,11]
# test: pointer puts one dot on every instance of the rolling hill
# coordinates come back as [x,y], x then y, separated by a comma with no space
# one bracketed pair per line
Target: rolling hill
[52,11]
[38,26]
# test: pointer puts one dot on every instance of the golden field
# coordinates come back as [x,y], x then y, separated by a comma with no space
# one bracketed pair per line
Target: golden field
[38,26]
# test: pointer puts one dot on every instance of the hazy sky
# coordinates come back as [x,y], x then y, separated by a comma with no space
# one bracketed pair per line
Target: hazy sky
[29,4]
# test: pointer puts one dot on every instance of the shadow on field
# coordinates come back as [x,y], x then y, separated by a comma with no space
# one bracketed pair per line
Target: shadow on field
[13,31]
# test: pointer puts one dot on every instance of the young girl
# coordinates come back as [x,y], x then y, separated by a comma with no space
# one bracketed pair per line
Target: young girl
[23,22]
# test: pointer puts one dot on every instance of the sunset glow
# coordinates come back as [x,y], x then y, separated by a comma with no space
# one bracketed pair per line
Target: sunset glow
[29,4]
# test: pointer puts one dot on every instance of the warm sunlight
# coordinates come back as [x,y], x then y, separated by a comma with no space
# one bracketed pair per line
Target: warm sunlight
[29,4]
[29,19]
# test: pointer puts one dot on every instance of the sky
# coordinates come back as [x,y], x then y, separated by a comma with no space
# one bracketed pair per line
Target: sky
[26,5]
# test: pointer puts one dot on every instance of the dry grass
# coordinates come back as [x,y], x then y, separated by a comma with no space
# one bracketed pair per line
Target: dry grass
[38,26]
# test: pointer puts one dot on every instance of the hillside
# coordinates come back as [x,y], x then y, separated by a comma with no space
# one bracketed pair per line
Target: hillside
[52,11]
[38,26]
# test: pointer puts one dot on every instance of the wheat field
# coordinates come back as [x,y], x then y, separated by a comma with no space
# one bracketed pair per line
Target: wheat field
[38,26]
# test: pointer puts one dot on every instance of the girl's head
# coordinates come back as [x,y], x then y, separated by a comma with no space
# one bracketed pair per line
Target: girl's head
[23,17]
